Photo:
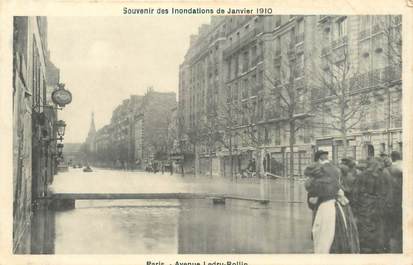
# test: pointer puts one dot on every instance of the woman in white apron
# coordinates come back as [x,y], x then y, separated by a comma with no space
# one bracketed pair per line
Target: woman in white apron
[334,229]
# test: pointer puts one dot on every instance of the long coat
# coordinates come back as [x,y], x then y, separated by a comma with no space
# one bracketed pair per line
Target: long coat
[372,203]
[324,184]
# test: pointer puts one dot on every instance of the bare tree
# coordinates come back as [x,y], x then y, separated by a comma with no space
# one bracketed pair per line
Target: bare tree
[181,138]
[208,134]
[289,96]
[338,102]
[200,134]
[391,27]
[227,123]
[251,134]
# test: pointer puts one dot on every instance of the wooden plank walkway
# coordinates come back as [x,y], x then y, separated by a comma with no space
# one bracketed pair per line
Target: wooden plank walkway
[127,196]
[147,196]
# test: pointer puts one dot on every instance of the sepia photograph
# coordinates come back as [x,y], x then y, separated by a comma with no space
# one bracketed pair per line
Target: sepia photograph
[207,134]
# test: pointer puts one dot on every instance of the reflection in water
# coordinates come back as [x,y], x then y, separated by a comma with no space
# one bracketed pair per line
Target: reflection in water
[241,227]
[176,226]
[121,230]
[43,230]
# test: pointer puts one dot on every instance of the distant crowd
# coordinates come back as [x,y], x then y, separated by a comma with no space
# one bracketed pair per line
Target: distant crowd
[357,206]
[159,166]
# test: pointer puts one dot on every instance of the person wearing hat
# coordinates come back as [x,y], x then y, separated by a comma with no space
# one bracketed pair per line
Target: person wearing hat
[385,159]
[314,171]
[334,229]
[348,176]
[394,219]
[372,203]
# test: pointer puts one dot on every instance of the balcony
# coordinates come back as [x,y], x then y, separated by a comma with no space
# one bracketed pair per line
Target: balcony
[322,17]
[241,42]
[339,42]
[372,125]
[376,77]
[364,34]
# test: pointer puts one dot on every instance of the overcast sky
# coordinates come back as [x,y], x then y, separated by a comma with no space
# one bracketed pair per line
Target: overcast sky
[104,60]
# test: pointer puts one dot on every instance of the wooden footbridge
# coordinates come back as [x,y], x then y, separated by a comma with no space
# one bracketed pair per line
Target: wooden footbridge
[64,201]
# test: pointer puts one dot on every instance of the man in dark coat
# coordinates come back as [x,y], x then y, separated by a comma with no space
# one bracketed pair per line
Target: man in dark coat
[348,177]
[372,202]
[313,171]
[394,219]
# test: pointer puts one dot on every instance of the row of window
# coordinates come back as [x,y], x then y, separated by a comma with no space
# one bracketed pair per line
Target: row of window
[247,87]
[243,61]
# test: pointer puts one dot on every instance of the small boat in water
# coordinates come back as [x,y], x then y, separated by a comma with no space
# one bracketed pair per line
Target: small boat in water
[87,169]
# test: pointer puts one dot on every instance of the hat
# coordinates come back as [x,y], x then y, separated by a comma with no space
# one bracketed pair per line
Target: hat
[382,154]
[395,155]
[318,154]
[347,159]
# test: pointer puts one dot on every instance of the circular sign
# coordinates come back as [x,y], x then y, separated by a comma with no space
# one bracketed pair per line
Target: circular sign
[61,97]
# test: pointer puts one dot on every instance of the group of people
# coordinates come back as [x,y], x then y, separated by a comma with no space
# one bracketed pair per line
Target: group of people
[155,166]
[357,207]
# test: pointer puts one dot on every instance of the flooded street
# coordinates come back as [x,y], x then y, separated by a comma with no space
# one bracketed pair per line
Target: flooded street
[179,226]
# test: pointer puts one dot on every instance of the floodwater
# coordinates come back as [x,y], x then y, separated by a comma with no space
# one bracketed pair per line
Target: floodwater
[178,226]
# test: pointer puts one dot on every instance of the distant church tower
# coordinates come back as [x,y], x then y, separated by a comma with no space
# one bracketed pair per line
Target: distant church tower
[90,140]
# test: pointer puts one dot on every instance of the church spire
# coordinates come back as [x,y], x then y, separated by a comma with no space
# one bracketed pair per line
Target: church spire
[92,129]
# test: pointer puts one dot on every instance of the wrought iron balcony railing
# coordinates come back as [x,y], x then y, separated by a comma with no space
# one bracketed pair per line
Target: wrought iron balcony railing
[376,77]
[237,44]
[339,42]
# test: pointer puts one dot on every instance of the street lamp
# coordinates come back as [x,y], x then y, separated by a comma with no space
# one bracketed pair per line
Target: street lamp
[59,148]
[60,127]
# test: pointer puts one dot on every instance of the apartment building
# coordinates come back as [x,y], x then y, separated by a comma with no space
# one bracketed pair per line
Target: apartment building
[278,69]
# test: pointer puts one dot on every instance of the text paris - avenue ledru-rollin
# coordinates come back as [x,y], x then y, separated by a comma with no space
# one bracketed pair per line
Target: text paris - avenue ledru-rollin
[197,263]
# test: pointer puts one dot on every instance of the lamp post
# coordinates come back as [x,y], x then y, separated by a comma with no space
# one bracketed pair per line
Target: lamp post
[59,149]
[60,128]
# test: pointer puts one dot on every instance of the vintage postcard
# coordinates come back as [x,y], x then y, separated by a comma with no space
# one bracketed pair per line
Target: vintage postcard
[206,133]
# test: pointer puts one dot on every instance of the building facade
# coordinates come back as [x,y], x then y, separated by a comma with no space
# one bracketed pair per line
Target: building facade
[34,133]
[279,71]
[137,133]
